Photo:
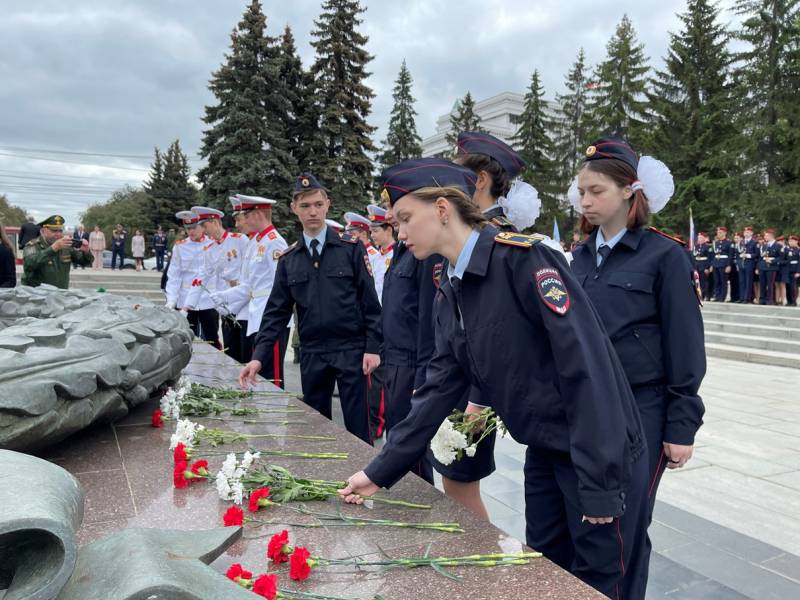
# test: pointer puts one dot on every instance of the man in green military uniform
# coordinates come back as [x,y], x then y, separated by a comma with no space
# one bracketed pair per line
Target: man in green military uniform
[48,258]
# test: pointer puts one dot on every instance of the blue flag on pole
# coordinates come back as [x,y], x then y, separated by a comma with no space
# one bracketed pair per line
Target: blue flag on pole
[691,232]
[556,234]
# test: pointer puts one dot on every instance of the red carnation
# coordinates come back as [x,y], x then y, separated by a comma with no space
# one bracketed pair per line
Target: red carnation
[278,548]
[258,498]
[300,564]
[233,517]
[236,573]
[179,474]
[157,420]
[267,586]
[200,468]
[180,453]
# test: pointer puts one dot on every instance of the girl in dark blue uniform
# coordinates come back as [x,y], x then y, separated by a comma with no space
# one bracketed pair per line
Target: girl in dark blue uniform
[495,164]
[641,284]
[511,320]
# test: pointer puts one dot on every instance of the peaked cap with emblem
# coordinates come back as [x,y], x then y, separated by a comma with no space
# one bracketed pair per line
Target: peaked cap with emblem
[187,218]
[614,148]
[205,213]
[306,182]
[419,173]
[53,222]
[476,142]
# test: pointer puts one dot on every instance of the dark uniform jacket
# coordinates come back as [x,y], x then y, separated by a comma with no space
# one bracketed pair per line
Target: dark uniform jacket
[337,305]
[29,231]
[749,255]
[703,257]
[646,298]
[42,264]
[792,259]
[408,290]
[723,253]
[770,256]
[552,378]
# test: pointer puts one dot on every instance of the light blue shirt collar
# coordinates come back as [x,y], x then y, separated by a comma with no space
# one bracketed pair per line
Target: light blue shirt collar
[320,237]
[600,240]
[463,257]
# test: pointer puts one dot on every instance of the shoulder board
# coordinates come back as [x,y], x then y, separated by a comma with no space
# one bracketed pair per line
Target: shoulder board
[666,235]
[518,239]
[183,241]
[346,237]
[502,222]
[289,249]
[34,242]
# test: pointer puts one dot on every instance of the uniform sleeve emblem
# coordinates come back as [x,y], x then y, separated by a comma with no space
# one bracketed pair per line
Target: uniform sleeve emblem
[260,250]
[272,235]
[368,265]
[276,254]
[552,290]
[437,274]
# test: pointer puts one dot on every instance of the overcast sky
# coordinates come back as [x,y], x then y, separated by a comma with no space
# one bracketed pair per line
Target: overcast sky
[119,77]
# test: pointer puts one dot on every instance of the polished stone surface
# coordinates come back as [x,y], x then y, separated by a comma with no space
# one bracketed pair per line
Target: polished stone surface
[126,472]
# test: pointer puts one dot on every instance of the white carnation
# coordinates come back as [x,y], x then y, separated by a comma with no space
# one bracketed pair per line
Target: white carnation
[223,486]
[229,465]
[237,491]
[248,459]
[185,432]
[470,450]
[447,442]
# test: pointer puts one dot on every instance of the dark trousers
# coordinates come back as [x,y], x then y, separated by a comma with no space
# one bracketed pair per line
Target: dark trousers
[720,284]
[114,254]
[160,258]
[375,395]
[703,283]
[606,557]
[746,284]
[205,325]
[791,290]
[273,369]
[232,339]
[398,387]
[319,371]
[766,283]
[734,281]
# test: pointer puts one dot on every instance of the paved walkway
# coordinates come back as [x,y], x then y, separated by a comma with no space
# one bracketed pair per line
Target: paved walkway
[727,526]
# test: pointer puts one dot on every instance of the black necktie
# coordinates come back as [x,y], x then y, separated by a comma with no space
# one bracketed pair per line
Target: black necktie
[315,253]
[603,251]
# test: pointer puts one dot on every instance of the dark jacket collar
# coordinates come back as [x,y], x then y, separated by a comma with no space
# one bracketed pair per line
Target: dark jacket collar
[479,261]
[631,239]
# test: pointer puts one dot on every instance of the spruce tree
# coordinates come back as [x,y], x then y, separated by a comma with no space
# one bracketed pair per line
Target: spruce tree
[770,32]
[570,126]
[246,143]
[693,127]
[462,118]
[302,131]
[402,140]
[617,103]
[343,101]
[535,146]
[168,187]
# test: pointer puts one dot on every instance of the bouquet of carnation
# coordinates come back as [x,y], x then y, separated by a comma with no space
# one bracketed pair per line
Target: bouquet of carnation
[461,432]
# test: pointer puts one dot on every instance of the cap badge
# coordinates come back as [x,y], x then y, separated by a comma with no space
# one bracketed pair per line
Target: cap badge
[591,150]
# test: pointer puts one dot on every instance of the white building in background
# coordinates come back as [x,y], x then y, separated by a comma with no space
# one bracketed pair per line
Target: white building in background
[497,118]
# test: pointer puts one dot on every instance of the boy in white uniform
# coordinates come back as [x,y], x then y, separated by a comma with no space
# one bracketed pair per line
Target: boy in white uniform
[184,274]
[221,269]
[257,276]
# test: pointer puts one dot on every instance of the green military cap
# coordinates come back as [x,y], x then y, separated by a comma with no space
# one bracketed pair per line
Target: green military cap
[53,222]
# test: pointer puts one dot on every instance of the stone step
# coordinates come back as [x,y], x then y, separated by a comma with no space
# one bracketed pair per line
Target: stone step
[753,341]
[776,332]
[131,286]
[749,318]
[751,355]
[758,309]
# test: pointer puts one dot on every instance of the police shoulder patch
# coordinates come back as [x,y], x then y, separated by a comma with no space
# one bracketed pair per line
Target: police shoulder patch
[552,290]
[368,264]
[668,236]
[346,237]
[509,238]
